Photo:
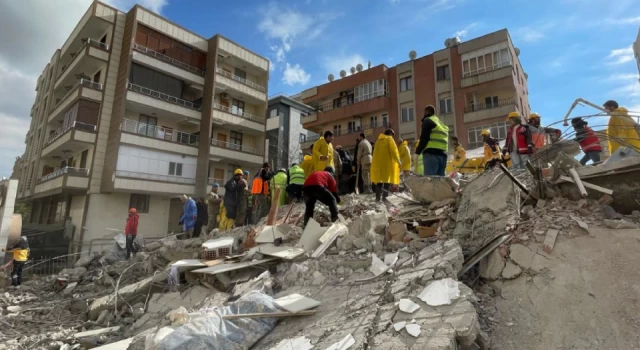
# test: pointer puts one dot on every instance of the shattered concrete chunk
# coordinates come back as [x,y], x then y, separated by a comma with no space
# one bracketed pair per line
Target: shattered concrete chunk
[492,265]
[127,293]
[440,292]
[428,189]
[619,224]
[511,271]
[521,255]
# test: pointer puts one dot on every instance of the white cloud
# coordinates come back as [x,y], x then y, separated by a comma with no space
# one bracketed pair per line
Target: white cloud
[465,31]
[528,34]
[622,21]
[295,75]
[334,64]
[620,56]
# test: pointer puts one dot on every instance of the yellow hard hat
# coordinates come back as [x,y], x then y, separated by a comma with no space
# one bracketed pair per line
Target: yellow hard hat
[513,115]
[237,172]
[534,115]
[485,132]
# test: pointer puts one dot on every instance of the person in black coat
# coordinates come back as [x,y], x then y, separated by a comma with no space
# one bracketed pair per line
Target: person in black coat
[203,216]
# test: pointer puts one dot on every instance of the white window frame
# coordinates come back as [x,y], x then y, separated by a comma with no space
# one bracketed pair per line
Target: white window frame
[499,59]
[409,112]
[448,103]
[406,83]
[177,169]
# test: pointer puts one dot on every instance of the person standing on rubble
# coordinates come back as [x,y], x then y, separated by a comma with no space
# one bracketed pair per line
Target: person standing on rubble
[539,133]
[280,181]
[213,207]
[622,131]
[260,192]
[296,181]
[189,216]
[337,163]
[232,193]
[323,152]
[321,186]
[131,231]
[20,255]
[385,164]
[519,144]
[307,163]
[202,221]
[492,155]
[459,154]
[405,156]
[433,143]
[588,140]
[243,200]
[364,162]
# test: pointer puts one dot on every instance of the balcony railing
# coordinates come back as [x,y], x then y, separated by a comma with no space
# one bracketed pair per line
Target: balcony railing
[213,180]
[147,51]
[486,69]
[63,171]
[76,125]
[241,80]
[85,42]
[238,113]
[158,132]
[156,177]
[162,96]
[235,147]
[82,82]
[325,107]
[483,106]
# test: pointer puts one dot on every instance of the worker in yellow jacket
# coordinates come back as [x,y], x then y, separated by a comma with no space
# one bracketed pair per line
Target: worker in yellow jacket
[385,165]
[20,255]
[622,131]
[405,156]
[323,152]
[459,154]
[307,163]
[492,152]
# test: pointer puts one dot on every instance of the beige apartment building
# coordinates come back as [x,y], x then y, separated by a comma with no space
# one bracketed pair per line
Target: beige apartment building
[133,111]
[473,85]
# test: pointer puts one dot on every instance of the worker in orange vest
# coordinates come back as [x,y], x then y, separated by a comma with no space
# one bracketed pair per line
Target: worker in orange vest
[539,133]
[260,192]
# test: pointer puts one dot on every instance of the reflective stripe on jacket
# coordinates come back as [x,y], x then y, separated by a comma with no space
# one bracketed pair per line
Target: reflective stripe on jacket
[296,175]
[439,135]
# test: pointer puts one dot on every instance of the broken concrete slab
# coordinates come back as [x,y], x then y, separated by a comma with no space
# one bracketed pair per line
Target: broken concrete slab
[296,302]
[440,292]
[282,252]
[311,235]
[336,230]
[492,265]
[429,189]
[550,240]
[521,255]
[119,345]
[511,271]
[408,306]
[220,268]
[619,224]
[269,234]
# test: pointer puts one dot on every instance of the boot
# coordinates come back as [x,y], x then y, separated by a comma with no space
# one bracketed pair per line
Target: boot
[378,192]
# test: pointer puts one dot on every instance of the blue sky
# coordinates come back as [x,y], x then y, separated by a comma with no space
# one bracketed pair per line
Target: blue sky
[569,48]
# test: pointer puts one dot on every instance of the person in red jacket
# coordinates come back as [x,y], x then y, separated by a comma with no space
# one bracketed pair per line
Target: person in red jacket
[588,140]
[321,186]
[519,142]
[131,231]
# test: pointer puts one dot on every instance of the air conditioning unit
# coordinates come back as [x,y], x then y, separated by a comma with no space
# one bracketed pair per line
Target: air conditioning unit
[217,248]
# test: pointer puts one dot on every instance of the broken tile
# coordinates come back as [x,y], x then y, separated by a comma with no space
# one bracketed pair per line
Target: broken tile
[398,326]
[413,329]
[296,303]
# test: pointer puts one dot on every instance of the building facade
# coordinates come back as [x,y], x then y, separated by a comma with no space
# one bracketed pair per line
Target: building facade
[473,85]
[134,111]
[636,51]
[285,134]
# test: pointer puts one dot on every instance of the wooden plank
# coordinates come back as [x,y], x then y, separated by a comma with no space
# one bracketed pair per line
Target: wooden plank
[588,185]
[271,314]
[550,240]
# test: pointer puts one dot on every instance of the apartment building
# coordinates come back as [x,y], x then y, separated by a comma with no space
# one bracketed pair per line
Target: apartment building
[133,111]
[285,134]
[473,85]
[636,51]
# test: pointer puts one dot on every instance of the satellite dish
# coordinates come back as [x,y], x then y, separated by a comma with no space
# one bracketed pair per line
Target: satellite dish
[352,70]
[359,67]
[517,50]
[447,43]
[412,54]
[330,77]
[455,41]
[343,73]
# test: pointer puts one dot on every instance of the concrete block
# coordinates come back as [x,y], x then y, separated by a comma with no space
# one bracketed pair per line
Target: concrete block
[432,188]
[521,255]
[492,265]
[511,271]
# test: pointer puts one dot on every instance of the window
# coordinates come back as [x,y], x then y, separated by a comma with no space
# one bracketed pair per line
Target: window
[104,39]
[351,126]
[385,120]
[443,73]
[236,140]
[237,107]
[140,202]
[491,101]
[407,114]
[303,138]
[175,169]
[156,81]
[445,106]
[486,62]
[406,83]
[337,129]
[83,159]
[336,102]
[498,131]
[273,113]
[147,125]
[240,73]
[370,90]
[96,77]
[374,121]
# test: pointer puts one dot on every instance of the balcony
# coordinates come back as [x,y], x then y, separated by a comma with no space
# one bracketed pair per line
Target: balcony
[328,112]
[93,24]
[85,89]
[71,139]
[227,80]
[487,74]
[488,111]
[239,56]
[138,182]
[169,65]
[153,136]
[69,180]
[223,115]
[236,153]
[148,101]
[91,56]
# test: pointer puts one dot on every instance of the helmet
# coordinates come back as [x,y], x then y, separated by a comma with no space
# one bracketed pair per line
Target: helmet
[246,172]
[485,132]
[237,172]
[534,115]
[513,115]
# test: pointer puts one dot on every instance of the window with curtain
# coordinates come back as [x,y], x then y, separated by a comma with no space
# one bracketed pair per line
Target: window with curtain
[156,81]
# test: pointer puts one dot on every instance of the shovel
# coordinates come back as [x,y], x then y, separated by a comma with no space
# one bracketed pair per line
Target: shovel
[357,178]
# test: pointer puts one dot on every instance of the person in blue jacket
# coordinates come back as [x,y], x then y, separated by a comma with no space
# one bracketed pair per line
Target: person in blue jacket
[189,216]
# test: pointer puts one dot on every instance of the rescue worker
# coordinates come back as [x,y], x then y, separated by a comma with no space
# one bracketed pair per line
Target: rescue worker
[539,133]
[433,143]
[307,163]
[588,140]
[189,216]
[201,208]
[232,191]
[20,255]
[321,186]
[519,144]
[621,130]
[337,162]
[323,152]
[418,166]
[131,231]
[295,182]
[385,165]
[459,154]
[405,156]
[213,207]
[280,181]
[243,200]
[364,162]
[492,155]
[260,192]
